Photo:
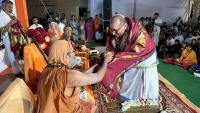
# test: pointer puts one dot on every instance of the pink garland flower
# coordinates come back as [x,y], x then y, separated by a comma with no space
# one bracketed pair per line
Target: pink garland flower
[41,37]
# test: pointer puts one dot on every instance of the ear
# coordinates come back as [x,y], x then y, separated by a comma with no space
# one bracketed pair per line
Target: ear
[125,25]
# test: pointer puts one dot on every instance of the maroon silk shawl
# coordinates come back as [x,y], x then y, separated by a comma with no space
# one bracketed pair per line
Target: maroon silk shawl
[139,47]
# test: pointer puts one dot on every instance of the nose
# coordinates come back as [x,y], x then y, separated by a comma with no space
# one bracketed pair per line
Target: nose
[113,33]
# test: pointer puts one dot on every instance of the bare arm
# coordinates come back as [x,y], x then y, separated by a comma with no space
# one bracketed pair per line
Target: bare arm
[81,79]
[77,78]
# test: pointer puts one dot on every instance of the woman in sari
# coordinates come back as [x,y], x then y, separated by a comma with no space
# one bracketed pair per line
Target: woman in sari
[89,29]
[188,58]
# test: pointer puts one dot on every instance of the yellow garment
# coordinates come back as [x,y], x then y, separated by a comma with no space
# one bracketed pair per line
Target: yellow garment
[17,98]
[34,63]
[186,55]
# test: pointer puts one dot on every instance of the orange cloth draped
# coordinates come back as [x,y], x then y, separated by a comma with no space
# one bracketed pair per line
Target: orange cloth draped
[53,82]
[51,91]
[22,15]
[34,64]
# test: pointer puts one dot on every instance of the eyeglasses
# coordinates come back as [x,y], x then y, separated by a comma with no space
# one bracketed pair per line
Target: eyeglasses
[115,31]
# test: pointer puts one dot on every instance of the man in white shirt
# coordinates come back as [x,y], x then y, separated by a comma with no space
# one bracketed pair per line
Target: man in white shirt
[189,38]
[35,23]
[170,41]
[179,37]
[157,24]
[5,24]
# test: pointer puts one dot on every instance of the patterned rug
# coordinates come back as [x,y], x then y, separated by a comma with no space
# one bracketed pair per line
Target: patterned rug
[170,101]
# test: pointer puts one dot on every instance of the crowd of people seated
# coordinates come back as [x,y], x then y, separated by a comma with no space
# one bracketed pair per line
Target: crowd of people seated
[179,43]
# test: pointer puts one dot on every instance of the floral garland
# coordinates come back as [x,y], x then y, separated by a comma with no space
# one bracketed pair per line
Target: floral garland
[17,40]
[42,38]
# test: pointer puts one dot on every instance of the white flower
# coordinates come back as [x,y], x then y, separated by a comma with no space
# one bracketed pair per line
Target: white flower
[47,39]
[43,46]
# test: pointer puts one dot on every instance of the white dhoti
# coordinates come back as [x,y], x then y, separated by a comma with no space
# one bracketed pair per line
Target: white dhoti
[141,82]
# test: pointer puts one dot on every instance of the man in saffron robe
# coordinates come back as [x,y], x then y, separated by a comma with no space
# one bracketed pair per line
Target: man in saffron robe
[59,85]
[135,58]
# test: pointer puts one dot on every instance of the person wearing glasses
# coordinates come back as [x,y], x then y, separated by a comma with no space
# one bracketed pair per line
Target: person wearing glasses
[59,85]
[134,57]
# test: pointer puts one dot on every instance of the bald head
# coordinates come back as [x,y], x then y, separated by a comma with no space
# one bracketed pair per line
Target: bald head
[118,20]
[118,25]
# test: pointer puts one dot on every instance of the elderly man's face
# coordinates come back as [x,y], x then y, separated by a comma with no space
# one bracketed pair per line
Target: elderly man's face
[116,29]
[52,30]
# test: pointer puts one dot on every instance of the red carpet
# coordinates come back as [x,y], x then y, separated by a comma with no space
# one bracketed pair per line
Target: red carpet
[170,101]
